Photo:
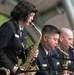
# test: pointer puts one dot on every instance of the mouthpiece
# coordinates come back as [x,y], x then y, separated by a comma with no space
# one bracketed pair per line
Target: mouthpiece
[36,29]
[52,56]
[71,46]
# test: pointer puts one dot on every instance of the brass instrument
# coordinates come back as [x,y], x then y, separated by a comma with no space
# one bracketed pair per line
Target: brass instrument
[28,64]
[5,70]
[72,47]
[64,72]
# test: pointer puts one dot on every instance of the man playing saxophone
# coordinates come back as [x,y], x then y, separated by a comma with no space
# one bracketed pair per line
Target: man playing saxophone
[65,40]
[49,40]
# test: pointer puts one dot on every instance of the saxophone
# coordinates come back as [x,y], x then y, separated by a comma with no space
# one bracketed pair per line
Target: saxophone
[27,66]
[5,70]
[64,72]
[72,48]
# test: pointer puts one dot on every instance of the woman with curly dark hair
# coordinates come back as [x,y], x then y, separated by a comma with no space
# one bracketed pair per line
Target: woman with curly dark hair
[12,41]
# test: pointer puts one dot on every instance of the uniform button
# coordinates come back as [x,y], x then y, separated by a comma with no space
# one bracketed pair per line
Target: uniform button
[16,65]
[17,57]
[23,45]
[20,50]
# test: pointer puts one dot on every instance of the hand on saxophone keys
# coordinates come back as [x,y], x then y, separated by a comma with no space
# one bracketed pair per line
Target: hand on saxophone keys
[36,53]
[69,72]
[15,70]
[21,74]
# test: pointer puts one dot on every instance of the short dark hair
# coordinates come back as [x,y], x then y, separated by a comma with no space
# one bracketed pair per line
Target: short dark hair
[22,10]
[50,29]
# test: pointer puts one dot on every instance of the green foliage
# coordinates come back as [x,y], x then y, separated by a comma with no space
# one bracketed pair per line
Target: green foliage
[29,42]
[3,19]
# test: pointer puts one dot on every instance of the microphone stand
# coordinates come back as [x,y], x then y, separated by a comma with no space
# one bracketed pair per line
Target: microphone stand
[64,58]
[40,70]
[56,57]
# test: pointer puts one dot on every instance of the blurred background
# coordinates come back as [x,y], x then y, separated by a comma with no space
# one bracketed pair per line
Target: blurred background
[59,13]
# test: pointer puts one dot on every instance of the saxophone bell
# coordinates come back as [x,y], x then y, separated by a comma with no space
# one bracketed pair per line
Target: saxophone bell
[5,70]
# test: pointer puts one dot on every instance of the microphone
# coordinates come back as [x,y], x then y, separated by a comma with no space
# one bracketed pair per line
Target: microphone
[52,56]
